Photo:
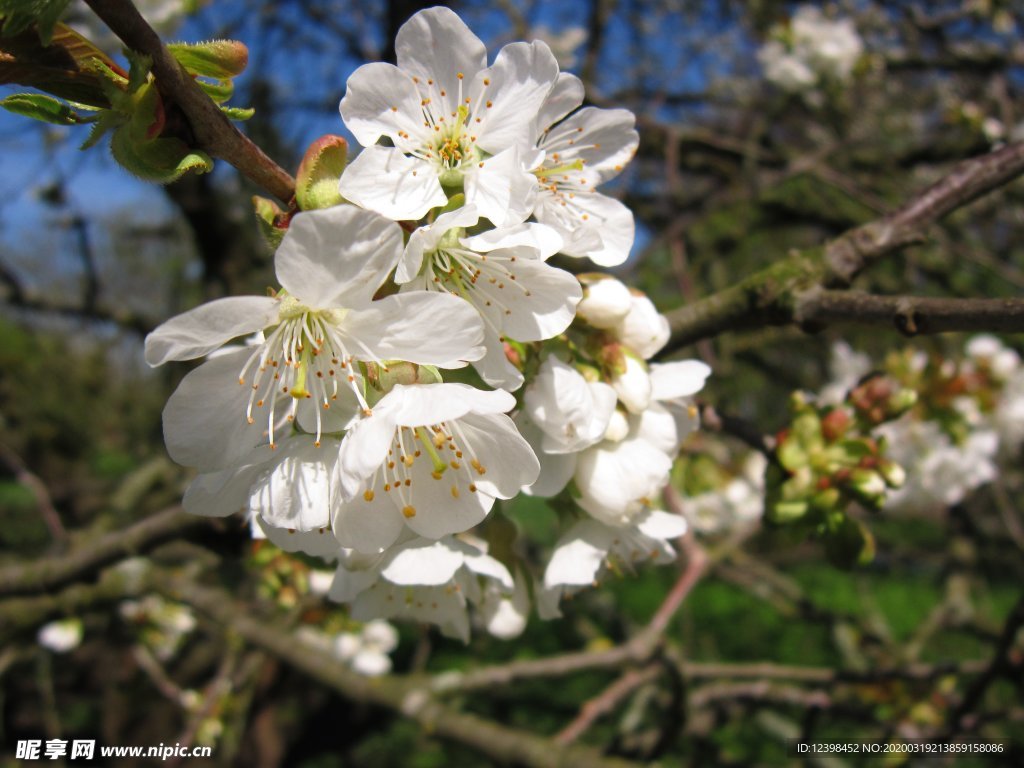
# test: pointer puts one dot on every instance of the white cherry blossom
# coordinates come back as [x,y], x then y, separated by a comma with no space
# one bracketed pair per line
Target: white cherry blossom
[643,329]
[432,458]
[577,152]
[316,329]
[502,273]
[453,122]
[421,580]
[590,548]
[571,412]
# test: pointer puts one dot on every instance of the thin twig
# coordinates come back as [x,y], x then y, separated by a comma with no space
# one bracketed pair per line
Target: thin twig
[606,702]
[38,489]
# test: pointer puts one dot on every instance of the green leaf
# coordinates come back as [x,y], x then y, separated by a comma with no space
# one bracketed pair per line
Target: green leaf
[220,59]
[20,15]
[62,68]
[849,543]
[38,106]
[270,218]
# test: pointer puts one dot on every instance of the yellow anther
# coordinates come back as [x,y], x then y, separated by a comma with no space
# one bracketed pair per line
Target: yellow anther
[480,468]
[409,511]
[368,495]
[455,491]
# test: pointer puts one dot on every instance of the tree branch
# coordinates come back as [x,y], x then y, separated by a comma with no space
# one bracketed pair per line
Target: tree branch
[52,573]
[213,131]
[407,698]
[910,315]
[770,295]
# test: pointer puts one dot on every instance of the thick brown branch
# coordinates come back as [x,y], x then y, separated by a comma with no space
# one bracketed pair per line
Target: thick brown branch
[910,315]
[54,572]
[213,131]
[506,745]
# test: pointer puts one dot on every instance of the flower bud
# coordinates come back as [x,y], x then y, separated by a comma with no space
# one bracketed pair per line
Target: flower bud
[618,427]
[643,329]
[605,301]
[633,385]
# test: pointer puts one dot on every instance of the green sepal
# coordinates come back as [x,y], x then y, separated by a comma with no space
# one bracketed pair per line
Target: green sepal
[107,121]
[238,113]
[160,160]
[316,183]
[220,91]
[271,220]
[138,70]
[454,202]
[20,15]
[219,59]
[44,108]
[849,543]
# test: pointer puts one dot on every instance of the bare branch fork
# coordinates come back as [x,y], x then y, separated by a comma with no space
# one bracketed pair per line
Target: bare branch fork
[213,131]
[790,290]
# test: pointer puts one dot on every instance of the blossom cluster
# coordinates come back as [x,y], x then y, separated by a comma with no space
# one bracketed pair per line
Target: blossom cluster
[421,358]
[968,419]
[810,51]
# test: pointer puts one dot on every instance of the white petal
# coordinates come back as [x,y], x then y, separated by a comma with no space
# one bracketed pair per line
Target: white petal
[565,96]
[607,141]
[615,478]
[494,367]
[544,239]
[203,329]
[426,563]
[204,420]
[678,379]
[520,79]
[486,566]
[572,412]
[661,525]
[501,190]
[509,460]
[555,469]
[644,329]
[577,560]
[605,303]
[438,511]
[425,239]
[545,303]
[505,618]
[418,327]
[436,44]
[297,492]
[337,256]
[633,386]
[384,180]
[348,583]
[424,404]
[365,447]
[367,526]
[657,426]
[219,494]
[611,221]
[315,543]
[381,100]
[371,663]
